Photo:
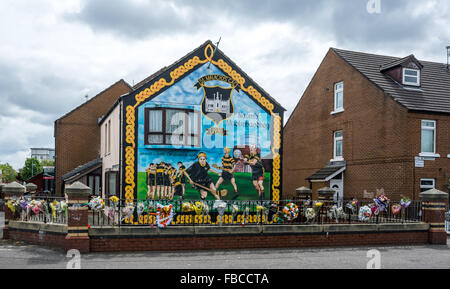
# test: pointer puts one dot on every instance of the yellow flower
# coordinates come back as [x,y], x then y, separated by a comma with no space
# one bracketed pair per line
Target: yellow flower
[114,199]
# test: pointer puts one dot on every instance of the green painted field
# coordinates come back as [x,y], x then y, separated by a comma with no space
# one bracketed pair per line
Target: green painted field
[243,181]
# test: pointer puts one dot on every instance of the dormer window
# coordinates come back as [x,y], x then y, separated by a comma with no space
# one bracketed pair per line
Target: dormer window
[411,77]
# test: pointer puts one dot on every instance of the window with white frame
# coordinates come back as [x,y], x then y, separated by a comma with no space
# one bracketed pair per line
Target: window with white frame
[427,184]
[428,137]
[338,140]
[172,126]
[339,97]
[106,139]
[411,76]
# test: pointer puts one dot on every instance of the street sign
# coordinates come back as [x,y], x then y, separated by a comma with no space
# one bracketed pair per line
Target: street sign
[419,162]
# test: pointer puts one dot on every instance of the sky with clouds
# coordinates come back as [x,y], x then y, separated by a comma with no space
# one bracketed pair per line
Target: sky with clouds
[53,52]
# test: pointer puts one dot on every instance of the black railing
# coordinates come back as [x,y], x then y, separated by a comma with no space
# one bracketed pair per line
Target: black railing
[229,213]
[51,209]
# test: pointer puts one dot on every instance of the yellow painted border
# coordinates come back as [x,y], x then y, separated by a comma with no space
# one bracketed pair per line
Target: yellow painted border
[178,72]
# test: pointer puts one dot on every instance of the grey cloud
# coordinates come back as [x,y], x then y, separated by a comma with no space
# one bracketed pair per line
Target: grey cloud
[137,20]
[42,92]
[347,23]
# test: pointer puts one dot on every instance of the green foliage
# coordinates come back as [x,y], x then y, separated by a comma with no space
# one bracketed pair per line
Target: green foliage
[243,181]
[9,174]
[48,163]
[31,168]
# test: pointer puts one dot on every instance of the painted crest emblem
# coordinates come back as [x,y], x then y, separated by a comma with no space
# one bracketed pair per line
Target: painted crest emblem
[217,103]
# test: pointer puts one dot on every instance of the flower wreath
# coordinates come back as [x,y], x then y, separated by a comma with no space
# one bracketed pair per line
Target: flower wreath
[290,212]
[310,213]
[164,215]
[364,213]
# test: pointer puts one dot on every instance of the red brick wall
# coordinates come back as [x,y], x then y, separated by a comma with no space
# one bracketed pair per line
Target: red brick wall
[33,237]
[438,169]
[77,135]
[256,241]
[176,243]
[380,137]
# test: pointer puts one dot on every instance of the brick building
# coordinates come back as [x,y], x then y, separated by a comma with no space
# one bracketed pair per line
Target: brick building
[77,134]
[370,122]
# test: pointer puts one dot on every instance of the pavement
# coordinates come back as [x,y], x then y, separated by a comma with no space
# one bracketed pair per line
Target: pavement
[20,255]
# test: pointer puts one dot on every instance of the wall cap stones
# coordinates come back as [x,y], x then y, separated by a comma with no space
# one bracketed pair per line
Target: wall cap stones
[433,195]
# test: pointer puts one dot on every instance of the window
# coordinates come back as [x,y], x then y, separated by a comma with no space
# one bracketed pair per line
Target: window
[109,137]
[411,77]
[339,97]
[428,137]
[427,184]
[94,184]
[338,138]
[106,139]
[172,126]
[111,183]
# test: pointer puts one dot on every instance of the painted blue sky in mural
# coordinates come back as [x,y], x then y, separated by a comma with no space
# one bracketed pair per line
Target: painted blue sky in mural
[248,121]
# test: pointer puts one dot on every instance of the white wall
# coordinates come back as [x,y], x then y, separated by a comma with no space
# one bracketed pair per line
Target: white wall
[111,158]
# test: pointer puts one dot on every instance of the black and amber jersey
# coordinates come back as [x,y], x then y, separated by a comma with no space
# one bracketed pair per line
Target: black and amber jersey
[258,166]
[159,169]
[227,163]
[180,175]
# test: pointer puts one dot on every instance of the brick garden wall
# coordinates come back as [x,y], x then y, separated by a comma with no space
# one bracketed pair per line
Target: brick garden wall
[247,242]
[43,238]
[114,239]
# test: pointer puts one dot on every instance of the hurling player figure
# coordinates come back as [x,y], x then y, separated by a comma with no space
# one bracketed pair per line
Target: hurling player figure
[159,180]
[151,181]
[180,181]
[227,167]
[255,162]
[198,177]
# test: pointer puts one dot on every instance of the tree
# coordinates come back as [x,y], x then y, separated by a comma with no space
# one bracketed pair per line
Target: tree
[9,174]
[31,168]
[48,163]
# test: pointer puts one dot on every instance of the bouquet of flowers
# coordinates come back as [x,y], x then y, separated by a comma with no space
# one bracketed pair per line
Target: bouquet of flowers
[244,215]
[396,209]
[336,213]
[127,211]
[382,202]
[187,207]
[220,206]
[405,202]
[234,211]
[198,208]
[140,208]
[352,205]
[96,204]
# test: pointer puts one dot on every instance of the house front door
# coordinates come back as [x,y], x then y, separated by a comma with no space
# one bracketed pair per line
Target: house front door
[338,186]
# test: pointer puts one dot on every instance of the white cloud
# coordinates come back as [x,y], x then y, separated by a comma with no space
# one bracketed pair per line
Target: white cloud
[54,52]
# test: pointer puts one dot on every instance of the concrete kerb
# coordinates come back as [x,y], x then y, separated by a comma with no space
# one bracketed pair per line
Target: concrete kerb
[253,230]
[38,226]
